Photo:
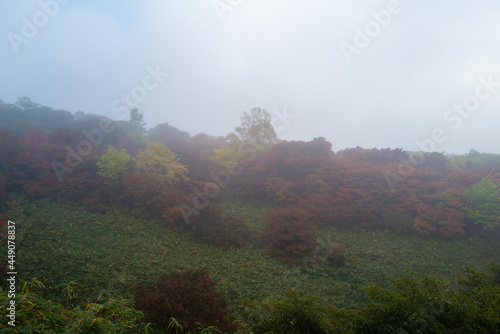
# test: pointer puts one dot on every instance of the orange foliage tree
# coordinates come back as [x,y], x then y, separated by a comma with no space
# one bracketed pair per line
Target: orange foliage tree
[442,218]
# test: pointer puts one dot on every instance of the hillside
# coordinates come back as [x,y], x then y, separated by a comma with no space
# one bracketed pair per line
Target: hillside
[106,255]
[106,209]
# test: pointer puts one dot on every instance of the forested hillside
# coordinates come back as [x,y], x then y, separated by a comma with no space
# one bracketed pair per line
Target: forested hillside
[241,233]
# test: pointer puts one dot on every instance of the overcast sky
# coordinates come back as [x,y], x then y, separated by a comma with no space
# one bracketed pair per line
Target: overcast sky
[359,72]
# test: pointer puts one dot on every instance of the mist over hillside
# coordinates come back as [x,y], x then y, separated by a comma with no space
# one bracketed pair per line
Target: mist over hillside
[232,166]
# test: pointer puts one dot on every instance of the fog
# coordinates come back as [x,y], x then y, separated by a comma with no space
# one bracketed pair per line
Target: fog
[409,74]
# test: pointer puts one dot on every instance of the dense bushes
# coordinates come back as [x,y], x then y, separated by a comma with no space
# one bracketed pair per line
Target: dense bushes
[188,296]
[35,314]
[418,304]
[288,232]
[415,304]
[294,314]
[355,187]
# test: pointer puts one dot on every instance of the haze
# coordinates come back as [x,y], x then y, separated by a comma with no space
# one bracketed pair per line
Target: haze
[314,60]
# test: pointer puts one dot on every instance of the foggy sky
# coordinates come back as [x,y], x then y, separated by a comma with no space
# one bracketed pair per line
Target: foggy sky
[368,73]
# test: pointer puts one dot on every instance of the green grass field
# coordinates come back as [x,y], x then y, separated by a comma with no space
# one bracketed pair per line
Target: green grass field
[107,255]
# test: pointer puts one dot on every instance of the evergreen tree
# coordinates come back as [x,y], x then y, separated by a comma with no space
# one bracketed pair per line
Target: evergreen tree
[137,121]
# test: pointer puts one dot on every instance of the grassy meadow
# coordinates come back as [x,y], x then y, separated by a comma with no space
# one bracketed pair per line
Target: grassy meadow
[84,257]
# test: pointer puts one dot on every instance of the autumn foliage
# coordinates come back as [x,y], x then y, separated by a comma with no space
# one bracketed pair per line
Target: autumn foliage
[288,232]
[188,296]
[441,196]
[158,162]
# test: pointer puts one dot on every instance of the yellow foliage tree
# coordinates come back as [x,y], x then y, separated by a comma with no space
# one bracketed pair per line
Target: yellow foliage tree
[161,163]
[226,156]
[256,130]
[113,163]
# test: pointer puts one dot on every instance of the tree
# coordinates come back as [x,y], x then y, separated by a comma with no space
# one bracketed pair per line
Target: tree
[281,191]
[486,198]
[137,121]
[9,148]
[33,171]
[113,163]
[195,155]
[255,130]
[170,136]
[31,113]
[319,206]
[293,160]
[250,183]
[443,217]
[226,156]
[383,156]
[161,163]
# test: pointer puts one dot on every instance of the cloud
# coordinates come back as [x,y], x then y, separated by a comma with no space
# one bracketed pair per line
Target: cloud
[267,54]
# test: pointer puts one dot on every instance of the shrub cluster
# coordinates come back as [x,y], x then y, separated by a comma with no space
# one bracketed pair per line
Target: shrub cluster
[188,296]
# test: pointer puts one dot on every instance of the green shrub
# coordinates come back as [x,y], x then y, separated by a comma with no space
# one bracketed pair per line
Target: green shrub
[418,304]
[34,314]
[295,314]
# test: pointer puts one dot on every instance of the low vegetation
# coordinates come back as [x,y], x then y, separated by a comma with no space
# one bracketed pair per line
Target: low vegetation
[107,255]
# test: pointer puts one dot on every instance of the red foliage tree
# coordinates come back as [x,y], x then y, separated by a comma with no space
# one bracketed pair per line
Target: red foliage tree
[34,138]
[374,156]
[435,161]
[250,183]
[361,192]
[319,208]
[442,218]
[127,143]
[78,186]
[194,154]
[344,211]
[293,160]
[33,174]
[281,191]
[65,137]
[171,203]
[462,178]
[9,148]
[189,296]
[282,175]
[288,232]
[144,193]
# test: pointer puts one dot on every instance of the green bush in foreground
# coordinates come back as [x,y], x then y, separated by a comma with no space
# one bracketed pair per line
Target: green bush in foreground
[415,304]
[418,304]
[296,314]
[34,314]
